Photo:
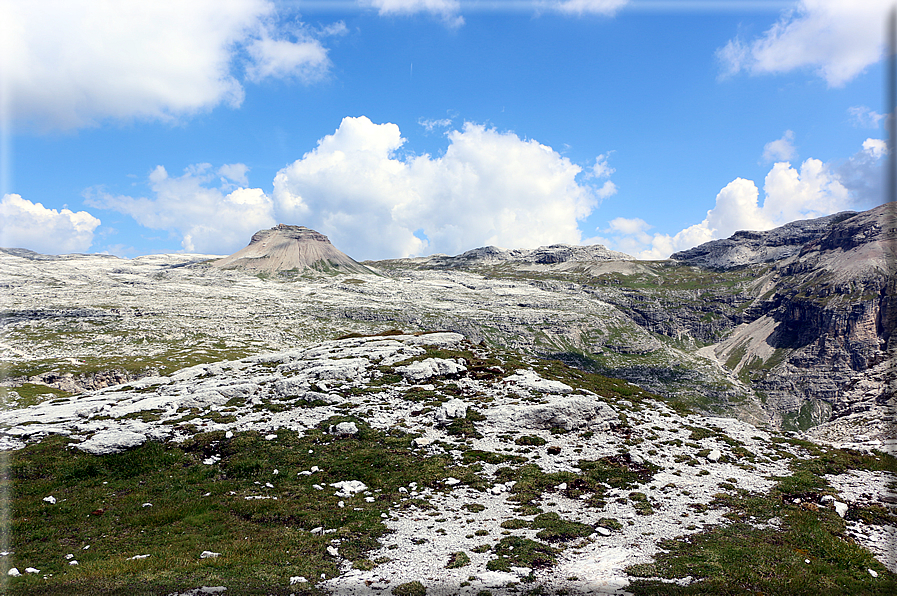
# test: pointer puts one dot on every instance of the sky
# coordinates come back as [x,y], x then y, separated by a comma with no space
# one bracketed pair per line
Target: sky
[413,127]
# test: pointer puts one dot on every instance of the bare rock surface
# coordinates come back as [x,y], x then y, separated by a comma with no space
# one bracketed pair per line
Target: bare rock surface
[288,248]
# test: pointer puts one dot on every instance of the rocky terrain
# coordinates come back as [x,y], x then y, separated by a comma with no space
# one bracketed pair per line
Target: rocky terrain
[497,421]
[547,477]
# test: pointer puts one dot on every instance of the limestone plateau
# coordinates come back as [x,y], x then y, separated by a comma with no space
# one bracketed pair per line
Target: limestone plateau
[290,248]
[588,422]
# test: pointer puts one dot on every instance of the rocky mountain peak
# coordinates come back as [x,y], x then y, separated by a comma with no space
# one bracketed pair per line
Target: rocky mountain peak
[754,247]
[291,248]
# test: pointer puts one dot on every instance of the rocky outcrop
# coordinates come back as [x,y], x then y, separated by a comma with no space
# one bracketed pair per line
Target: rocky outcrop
[750,248]
[291,248]
[544,255]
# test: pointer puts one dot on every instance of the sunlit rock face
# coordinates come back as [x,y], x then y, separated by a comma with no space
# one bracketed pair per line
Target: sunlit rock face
[291,248]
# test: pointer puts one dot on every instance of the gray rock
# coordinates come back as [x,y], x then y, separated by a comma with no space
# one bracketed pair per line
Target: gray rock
[570,413]
[111,441]
[453,408]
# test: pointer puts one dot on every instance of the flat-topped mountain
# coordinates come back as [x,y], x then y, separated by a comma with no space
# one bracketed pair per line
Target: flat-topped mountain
[291,248]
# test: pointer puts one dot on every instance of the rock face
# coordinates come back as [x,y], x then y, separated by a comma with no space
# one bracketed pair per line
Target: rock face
[751,248]
[817,322]
[289,248]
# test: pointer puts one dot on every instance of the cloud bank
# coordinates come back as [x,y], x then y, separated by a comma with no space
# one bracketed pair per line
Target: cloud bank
[374,202]
[72,64]
[24,224]
[489,187]
[836,38]
[813,190]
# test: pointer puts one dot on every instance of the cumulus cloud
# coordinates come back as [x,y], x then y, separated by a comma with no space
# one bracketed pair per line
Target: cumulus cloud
[837,38]
[780,149]
[205,218]
[815,189]
[75,63]
[489,187]
[24,224]
[580,7]
[447,9]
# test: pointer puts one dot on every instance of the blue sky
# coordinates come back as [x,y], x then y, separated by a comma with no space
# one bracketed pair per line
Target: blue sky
[408,127]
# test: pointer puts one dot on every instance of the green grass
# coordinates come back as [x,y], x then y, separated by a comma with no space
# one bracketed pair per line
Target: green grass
[100,502]
[808,553]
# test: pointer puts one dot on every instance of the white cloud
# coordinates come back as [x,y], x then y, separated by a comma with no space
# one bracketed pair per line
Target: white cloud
[447,9]
[75,63]
[780,149]
[24,224]
[305,59]
[814,190]
[580,7]
[234,172]
[838,38]
[864,117]
[431,125]
[875,148]
[206,219]
[489,187]
[864,174]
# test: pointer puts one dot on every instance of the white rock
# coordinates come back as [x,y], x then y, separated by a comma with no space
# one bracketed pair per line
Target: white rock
[207,554]
[229,434]
[13,572]
[31,570]
[344,429]
[111,441]
[603,531]
[347,488]
[73,562]
[270,437]
[332,551]
[826,499]
[561,486]
[139,557]
[840,508]
[530,380]
[297,579]
[431,367]
[452,409]
[422,441]
[341,504]
[69,556]
[318,530]
[873,573]
[452,481]
[714,455]
[147,505]
[570,413]
[51,500]
[276,472]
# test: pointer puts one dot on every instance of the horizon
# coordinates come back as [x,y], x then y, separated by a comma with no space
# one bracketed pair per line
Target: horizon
[504,248]
[403,128]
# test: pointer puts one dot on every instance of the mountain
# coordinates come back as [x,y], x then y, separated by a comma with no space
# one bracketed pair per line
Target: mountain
[291,248]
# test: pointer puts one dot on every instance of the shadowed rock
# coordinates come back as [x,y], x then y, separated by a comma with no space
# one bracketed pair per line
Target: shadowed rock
[291,248]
